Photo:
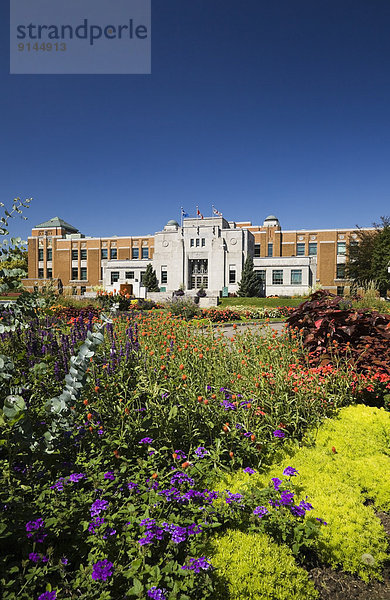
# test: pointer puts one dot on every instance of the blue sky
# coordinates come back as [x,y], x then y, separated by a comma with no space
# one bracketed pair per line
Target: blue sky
[254,106]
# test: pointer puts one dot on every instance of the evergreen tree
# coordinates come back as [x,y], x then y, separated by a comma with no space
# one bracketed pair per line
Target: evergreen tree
[369,259]
[150,279]
[250,285]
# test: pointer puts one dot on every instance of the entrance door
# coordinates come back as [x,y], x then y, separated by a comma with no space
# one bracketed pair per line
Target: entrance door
[198,273]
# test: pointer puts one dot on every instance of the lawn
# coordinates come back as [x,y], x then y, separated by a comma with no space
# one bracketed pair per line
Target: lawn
[261,302]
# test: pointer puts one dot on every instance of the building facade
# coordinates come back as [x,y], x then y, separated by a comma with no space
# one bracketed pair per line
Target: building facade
[201,252]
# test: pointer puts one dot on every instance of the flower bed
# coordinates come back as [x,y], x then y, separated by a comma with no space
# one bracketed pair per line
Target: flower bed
[113,494]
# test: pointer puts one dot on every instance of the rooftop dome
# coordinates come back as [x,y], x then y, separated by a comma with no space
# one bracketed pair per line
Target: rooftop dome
[271,221]
[172,222]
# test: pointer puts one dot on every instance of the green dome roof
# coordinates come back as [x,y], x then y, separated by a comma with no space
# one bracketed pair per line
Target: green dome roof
[271,218]
[173,222]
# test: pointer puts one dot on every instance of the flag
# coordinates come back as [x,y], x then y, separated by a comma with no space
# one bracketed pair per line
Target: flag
[199,214]
[183,213]
[216,212]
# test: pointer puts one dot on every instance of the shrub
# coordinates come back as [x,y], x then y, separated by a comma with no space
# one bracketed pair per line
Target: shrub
[183,308]
[250,566]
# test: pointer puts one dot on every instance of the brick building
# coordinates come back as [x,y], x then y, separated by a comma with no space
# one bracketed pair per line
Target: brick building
[207,252]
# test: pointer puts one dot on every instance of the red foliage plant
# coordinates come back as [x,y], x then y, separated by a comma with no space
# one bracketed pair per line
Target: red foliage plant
[330,326]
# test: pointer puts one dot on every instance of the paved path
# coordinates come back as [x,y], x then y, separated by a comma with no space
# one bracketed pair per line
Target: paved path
[229,330]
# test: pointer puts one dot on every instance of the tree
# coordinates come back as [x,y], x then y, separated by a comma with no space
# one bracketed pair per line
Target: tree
[250,285]
[369,259]
[150,279]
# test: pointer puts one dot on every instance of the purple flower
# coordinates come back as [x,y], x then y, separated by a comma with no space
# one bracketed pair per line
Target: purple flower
[305,505]
[233,498]
[201,452]
[290,472]
[278,433]
[228,405]
[109,531]
[95,524]
[276,481]
[156,593]
[34,557]
[321,521]
[48,595]
[146,440]
[297,511]
[35,530]
[102,570]
[59,485]
[249,470]
[98,506]
[198,564]
[286,497]
[133,486]
[64,561]
[109,475]
[180,455]
[260,511]
[75,477]
[180,478]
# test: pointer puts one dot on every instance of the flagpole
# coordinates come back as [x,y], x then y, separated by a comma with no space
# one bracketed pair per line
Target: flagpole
[181,216]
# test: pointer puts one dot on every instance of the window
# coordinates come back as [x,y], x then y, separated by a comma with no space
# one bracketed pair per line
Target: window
[83,254]
[341,248]
[145,252]
[40,274]
[135,253]
[113,253]
[312,248]
[257,250]
[40,254]
[114,276]
[49,273]
[49,254]
[277,277]
[192,241]
[75,273]
[74,291]
[142,276]
[232,274]
[261,275]
[83,273]
[164,274]
[101,274]
[301,249]
[104,253]
[296,276]
[270,250]
[203,242]
[340,290]
[83,289]
[129,275]
[340,271]
[75,254]
[197,242]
